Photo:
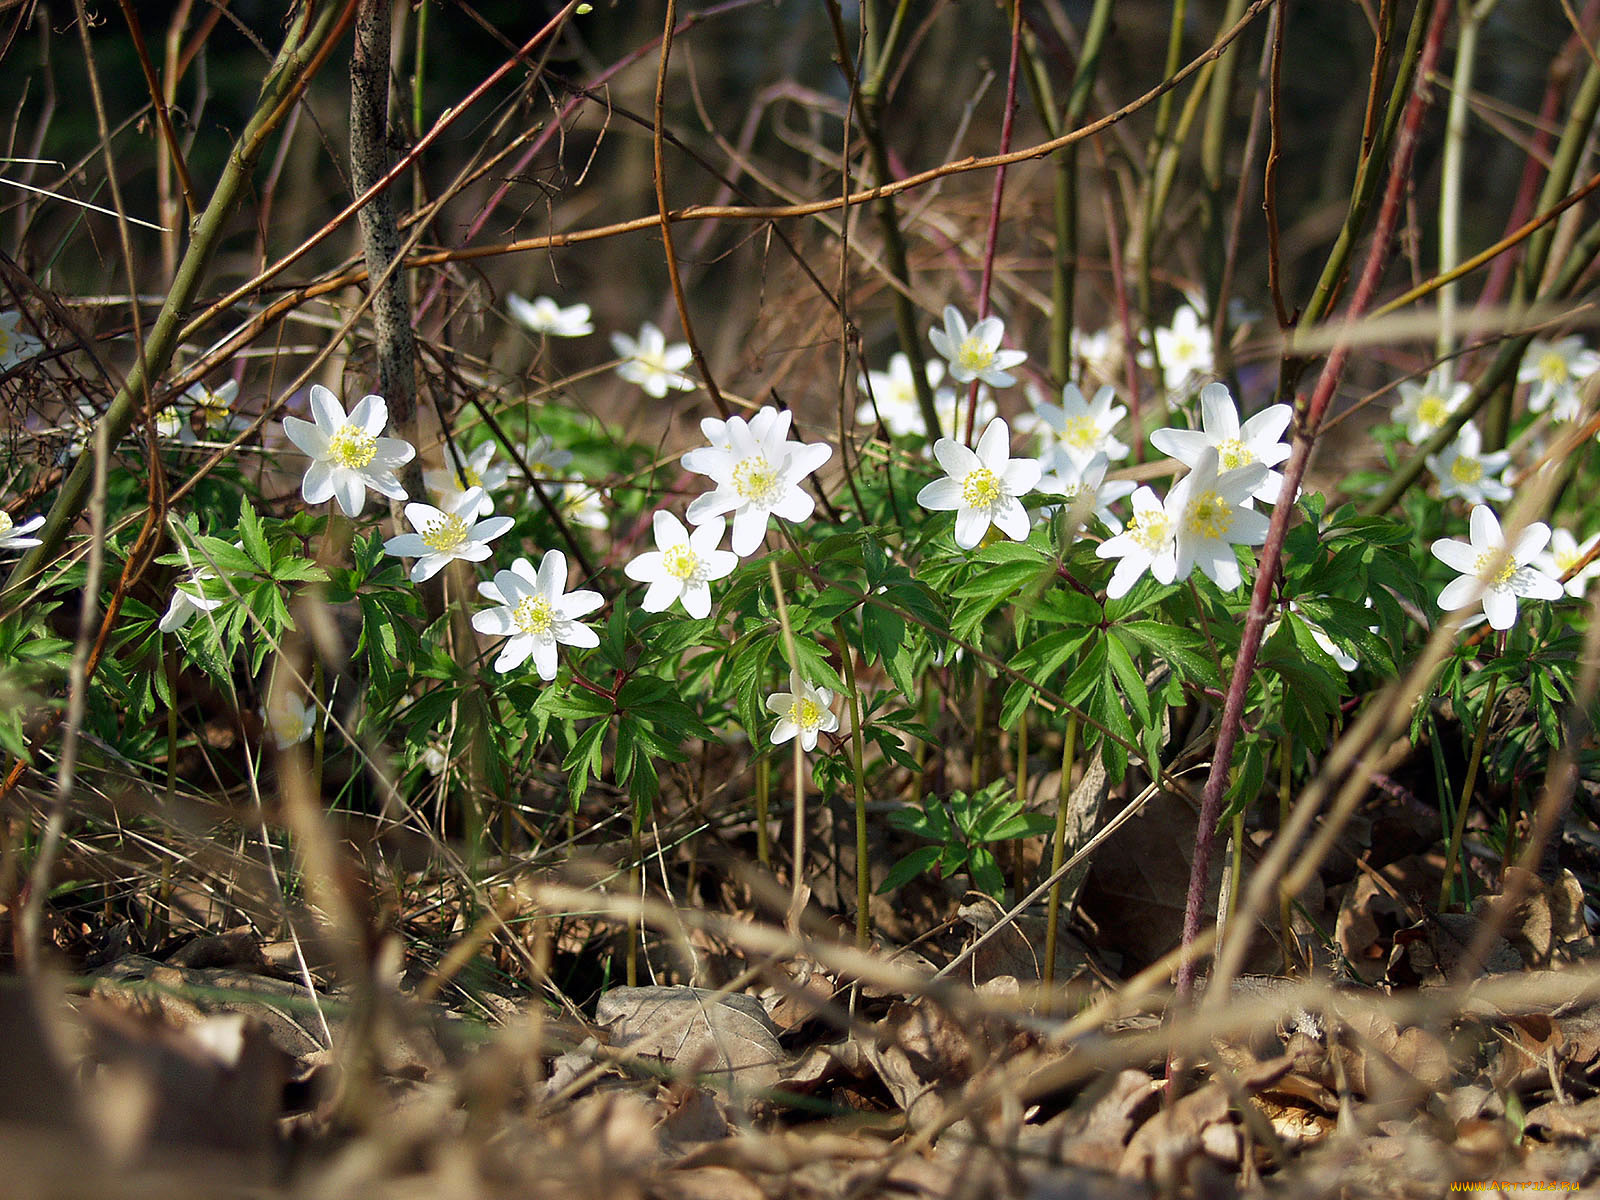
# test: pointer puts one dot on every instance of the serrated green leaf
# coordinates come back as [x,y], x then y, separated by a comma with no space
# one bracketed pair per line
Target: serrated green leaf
[919,862]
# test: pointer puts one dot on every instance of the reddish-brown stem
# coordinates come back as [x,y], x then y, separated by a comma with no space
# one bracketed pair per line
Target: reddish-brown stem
[1272,552]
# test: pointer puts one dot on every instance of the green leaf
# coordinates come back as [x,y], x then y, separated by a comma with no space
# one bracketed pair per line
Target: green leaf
[1128,676]
[1184,650]
[919,862]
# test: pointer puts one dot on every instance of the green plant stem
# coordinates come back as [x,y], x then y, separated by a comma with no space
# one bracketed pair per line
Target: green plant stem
[418,65]
[1058,853]
[879,52]
[858,772]
[319,731]
[1064,210]
[1019,863]
[1285,900]
[311,36]
[980,740]
[1455,143]
[1458,827]
[172,722]
[1213,140]
[636,877]
[1369,173]
[763,795]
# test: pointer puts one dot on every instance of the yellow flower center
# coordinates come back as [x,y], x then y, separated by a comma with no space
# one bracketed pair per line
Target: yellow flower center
[1233,454]
[1553,368]
[352,447]
[806,713]
[5,341]
[1565,561]
[1432,411]
[980,489]
[469,478]
[755,480]
[445,534]
[1466,470]
[1151,530]
[1209,515]
[6,524]
[1496,568]
[533,615]
[974,355]
[214,408]
[1082,432]
[680,561]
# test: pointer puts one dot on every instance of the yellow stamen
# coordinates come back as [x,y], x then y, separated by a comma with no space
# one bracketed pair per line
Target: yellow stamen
[1466,469]
[974,355]
[1233,454]
[1432,411]
[680,561]
[445,534]
[352,447]
[1151,530]
[533,616]
[1209,515]
[755,480]
[1496,568]
[1082,432]
[805,713]
[980,489]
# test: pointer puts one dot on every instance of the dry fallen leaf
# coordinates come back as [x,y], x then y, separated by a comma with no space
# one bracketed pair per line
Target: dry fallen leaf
[727,1039]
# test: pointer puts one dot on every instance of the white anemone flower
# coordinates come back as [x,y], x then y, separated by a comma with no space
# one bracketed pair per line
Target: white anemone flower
[479,470]
[16,344]
[580,504]
[188,599]
[1184,349]
[215,406]
[544,461]
[682,566]
[536,614]
[975,353]
[14,536]
[289,720]
[1492,572]
[1425,407]
[172,424]
[347,454]
[982,486]
[544,315]
[802,711]
[1147,544]
[1210,517]
[1066,476]
[446,534]
[1563,554]
[1256,441]
[1556,369]
[1464,470]
[758,475]
[1076,427]
[651,363]
[893,396]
